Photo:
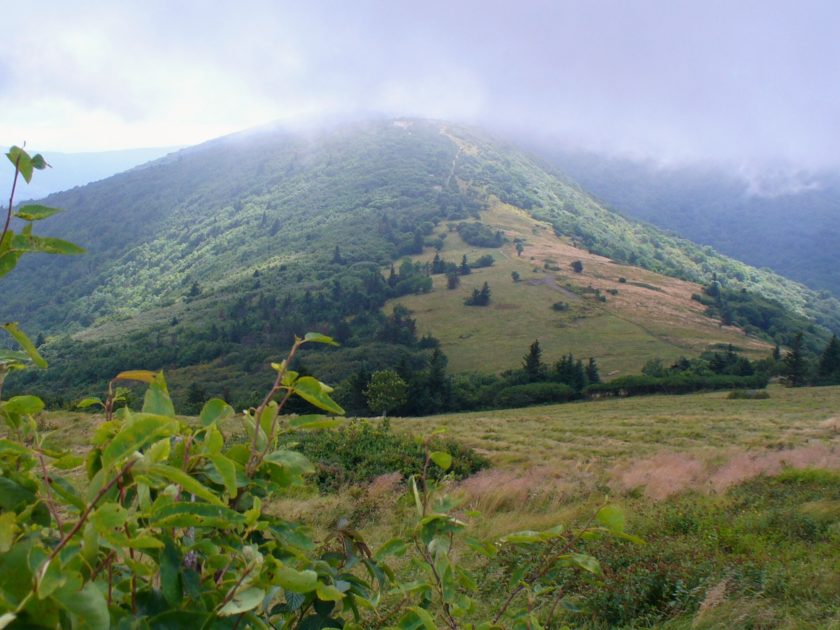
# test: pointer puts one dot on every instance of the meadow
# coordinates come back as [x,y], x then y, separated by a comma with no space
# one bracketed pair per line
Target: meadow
[738,502]
[645,315]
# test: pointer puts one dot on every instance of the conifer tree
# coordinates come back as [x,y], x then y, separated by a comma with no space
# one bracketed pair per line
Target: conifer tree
[795,367]
[592,374]
[829,366]
[532,363]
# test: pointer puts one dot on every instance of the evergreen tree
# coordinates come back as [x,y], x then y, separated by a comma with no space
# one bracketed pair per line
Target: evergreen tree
[438,384]
[453,280]
[437,264]
[795,368]
[829,366]
[392,277]
[479,298]
[515,276]
[532,363]
[464,269]
[592,374]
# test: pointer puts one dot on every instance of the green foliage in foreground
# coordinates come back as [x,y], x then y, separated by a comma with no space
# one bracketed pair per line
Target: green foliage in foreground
[169,529]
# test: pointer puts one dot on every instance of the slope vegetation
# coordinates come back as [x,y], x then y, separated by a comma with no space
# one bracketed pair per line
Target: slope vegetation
[208,261]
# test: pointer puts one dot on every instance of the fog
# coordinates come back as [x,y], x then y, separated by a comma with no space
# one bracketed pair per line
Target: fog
[744,82]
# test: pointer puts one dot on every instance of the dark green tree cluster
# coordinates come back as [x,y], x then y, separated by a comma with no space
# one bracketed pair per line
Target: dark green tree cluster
[828,369]
[759,315]
[479,297]
[479,235]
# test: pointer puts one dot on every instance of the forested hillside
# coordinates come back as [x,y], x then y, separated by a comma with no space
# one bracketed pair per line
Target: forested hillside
[783,221]
[208,261]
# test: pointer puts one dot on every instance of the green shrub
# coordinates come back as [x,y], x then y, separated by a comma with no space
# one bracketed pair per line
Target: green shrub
[361,451]
[534,394]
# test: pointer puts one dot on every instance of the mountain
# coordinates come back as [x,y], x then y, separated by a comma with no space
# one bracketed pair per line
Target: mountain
[780,219]
[209,260]
[77,169]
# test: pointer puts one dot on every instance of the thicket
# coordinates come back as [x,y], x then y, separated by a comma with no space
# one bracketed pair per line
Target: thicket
[360,451]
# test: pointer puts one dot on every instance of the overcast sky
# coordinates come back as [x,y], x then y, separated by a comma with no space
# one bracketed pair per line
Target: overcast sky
[737,80]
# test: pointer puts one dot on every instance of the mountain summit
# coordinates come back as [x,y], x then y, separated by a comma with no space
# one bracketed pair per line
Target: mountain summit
[236,244]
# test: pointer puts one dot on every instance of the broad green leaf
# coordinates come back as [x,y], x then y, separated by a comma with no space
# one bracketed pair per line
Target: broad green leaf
[109,516]
[39,162]
[20,159]
[8,259]
[142,431]
[69,461]
[49,245]
[50,579]
[157,400]
[8,446]
[23,341]
[12,357]
[187,483]
[144,376]
[319,338]
[90,543]
[243,601]
[316,393]
[183,514]
[424,617]
[170,573]
[293,580]
[143,542]
[523,537]
[227,471]
[394,547]
[611,517]
[269,413]
[314,422]
[215,410]
[23,405]
[66,491]
[213,440]
[8,530]
[328,592]
[35,212]
[14,496]
[84,403]
[159,451]
[442,459]
[87,606]
[584,561]
[295,462]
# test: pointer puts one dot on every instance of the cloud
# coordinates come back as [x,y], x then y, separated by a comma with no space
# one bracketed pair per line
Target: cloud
[745,81]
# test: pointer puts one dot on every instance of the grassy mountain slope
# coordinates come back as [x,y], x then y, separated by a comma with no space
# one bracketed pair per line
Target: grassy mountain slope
[207,261]
[647,315]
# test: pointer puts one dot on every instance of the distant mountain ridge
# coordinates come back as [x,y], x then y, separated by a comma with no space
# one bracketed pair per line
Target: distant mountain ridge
[70,170]
[785,221]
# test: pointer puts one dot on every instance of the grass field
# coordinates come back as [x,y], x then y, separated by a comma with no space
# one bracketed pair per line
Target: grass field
[738,501]
[649,315]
